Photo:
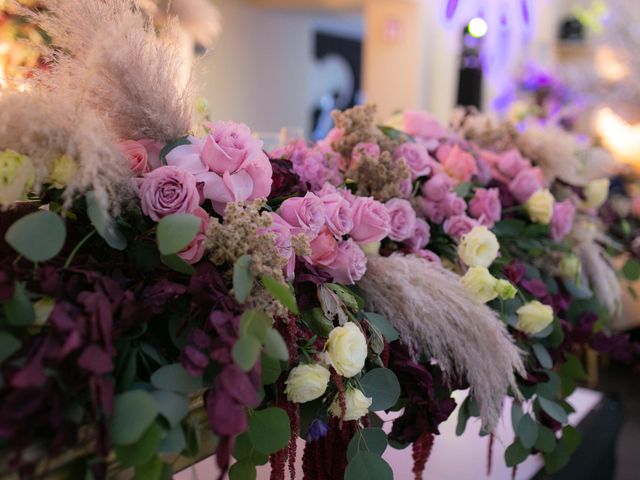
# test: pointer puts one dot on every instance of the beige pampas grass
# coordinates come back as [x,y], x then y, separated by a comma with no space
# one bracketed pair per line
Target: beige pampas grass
[109,59]
[600,275]
[435,316]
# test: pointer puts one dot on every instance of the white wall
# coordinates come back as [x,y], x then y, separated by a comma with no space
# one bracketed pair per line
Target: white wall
[260,71]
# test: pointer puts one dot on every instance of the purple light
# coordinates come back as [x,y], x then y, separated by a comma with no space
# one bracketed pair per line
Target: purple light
[452,6]
[526,16]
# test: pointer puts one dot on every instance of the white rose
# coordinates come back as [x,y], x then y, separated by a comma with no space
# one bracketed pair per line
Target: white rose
[306,383]
[347,349]
[479,247]
[480,284]
[534,317]
[357,405]
[540,207]
[596,192]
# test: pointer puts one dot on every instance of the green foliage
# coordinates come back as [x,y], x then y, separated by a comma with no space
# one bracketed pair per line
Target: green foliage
[281,292]
[275,345]
[8,346]
[269,430]
[19,311]
[176,232]
[172,406]
[143,449]
[174,378]
[372,440]
[271,369]
[242,278]
[134,412]
[382,385]
[546,441]
[383,325]
[171,145]
[368,465]
[174,262]
[515,454]
[246,351]
[553,409]
[242,470]
[256,324]
[527,431]
[542,355]
[631,270]
[104,224]
[38,236]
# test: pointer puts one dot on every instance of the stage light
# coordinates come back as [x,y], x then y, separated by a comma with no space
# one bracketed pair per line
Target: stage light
[477,27]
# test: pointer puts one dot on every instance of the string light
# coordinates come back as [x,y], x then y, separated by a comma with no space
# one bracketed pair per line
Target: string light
[477,27]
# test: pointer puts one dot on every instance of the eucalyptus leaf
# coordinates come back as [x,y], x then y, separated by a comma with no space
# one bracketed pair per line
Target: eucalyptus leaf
[8,346]
[367,465]
[281,292]
[256,324]
[542,355]
[553,409]
[245,352]
[242,278]
[106,227]
[383,325]
[631,270]
[174,378]
[174,262]
[175,232]
[271,369]
[172,406]
[382,385]
[19,310]
[142,450]
[174,442]
[515,454]
[527,431]
[546,440]
[243,470]
[134,411]
[269,430]
[38,236]
[275,345]
[372,440]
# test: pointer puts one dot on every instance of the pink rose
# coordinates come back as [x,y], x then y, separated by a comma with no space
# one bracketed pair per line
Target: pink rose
[324,249]
[436,188]
[349,265]
[317,166]
[364,150]
[137,155]
[429,256]
[195,251]
[511,163]
[406,189]
[168,190]
[282,232]
[403,219]
[423,125]
[458,226]
[454,205]
[486,206]
[229,162]
[459,165]
[416,157]
[371,220]
[525,184]
[338,214]
[304,214]
[153,152]
[434,211]
[562,220]
[421,236]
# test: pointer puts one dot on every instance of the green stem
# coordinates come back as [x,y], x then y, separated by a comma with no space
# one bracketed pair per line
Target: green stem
[77,248]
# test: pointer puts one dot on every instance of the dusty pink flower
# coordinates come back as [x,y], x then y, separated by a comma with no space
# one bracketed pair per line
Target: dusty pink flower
[317,166]
[511,163]
[416,157]
[436,188]
[195,251]
[304,214]
[403,219]
[458,226]
[562,220]
[430,257]
[153,152]
[434,211]
[282,231]
[339,216]
[486,206]
[459,165]
[168,190]
[421,124]
[334,135]
[454,205]
[525,184]
[230,163]
[371,220]
[324,249]
[421,236]
[137,156]
[349,265]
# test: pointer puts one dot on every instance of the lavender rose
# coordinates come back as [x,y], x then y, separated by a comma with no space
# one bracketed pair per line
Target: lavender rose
[403,219]
[350,263]
[305,214]
[168,190]
[371,220]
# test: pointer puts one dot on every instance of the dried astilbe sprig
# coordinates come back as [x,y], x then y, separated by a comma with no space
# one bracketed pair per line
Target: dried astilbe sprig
[358,126]
[484,130]
[382,178]
[45,128]
[435,316]
[108,57]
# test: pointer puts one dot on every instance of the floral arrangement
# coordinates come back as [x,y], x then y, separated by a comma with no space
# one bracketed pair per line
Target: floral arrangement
[144,269]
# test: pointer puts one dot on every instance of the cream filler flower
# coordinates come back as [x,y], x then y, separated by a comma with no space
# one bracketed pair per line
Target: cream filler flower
[356,403]
[479,248]
[480,284]
[540,207]
[534,317]
[596,193]
[16,177]
[347,349]
[306,382]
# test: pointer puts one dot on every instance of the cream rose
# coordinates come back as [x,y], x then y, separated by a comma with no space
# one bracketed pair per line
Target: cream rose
[306,383]
[570,266]
[505,290]
[480,284]
[357,405]
[479,247]
[347,349]
[596,192]
[16,177]
[64,169]
[540,207]
[534,317]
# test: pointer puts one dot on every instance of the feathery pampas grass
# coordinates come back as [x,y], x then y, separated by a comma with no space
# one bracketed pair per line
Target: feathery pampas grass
[44,128]
[436,317]
[108,58]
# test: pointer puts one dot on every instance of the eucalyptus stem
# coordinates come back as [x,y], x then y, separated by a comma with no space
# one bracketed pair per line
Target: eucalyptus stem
[77,248]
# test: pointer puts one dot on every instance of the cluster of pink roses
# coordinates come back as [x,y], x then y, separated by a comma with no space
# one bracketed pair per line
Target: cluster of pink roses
[315,165]
[227,165]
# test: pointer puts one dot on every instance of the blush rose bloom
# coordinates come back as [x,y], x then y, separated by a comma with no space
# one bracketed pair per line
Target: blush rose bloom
[562,220]
[416,157]
[525,184]
[229,162]
[346,349]
[356,405]
[434,211]
[421,236]
[421,124]
[458,226]
[403,219]
[195,251]
[282,231]
[306,383]
[339,216]
[459,165]
[486,206]
[137,155]
[349,265]
[371,220]
[454,205]
[168,190]
[305,214]
[324,249]
[436,188]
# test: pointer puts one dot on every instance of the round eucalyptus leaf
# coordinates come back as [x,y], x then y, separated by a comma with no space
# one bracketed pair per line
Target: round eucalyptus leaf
[175,232]
[245,352]
[382,385]
[174,378]
[368,465]
[134,411]
[269,430]
[372,440]
[38,236]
